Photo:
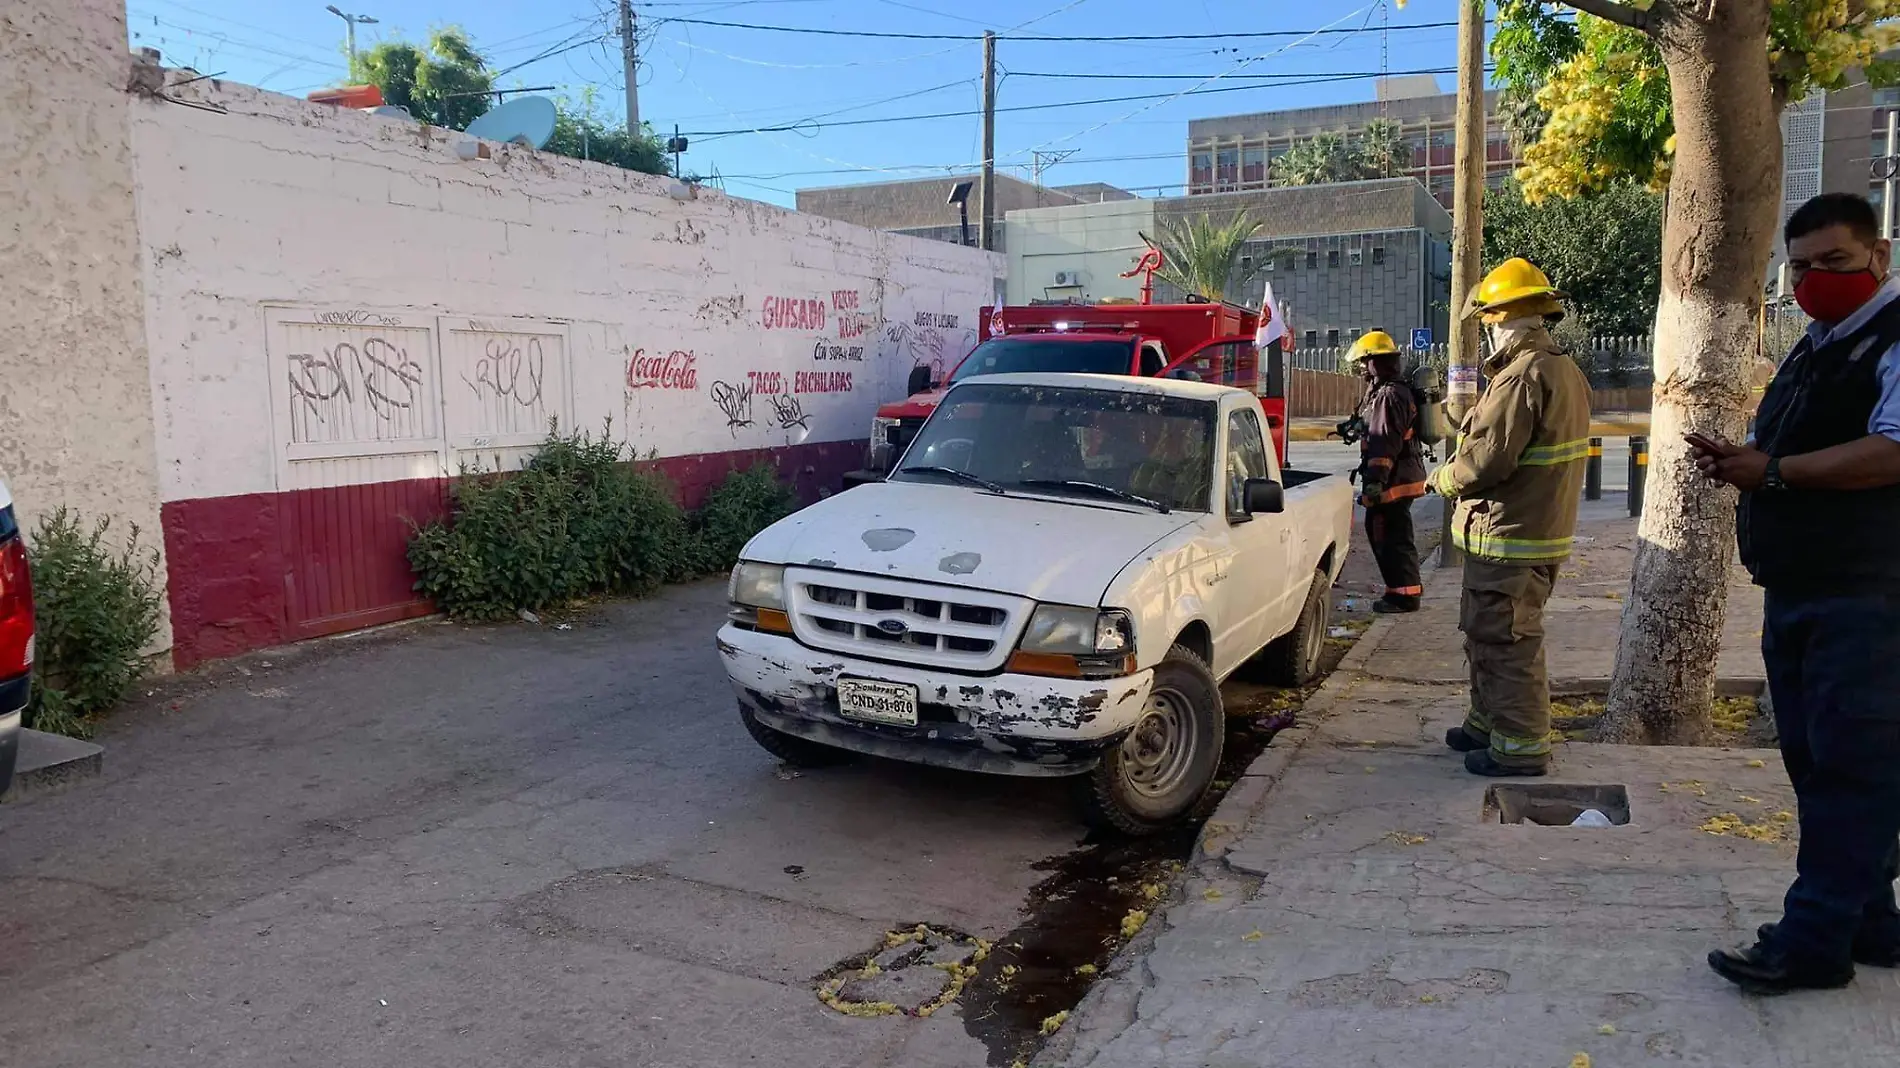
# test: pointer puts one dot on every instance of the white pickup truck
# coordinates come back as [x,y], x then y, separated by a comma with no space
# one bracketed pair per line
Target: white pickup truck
[1053,581]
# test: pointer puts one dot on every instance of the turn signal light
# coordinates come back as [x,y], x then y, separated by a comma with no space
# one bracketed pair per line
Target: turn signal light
[1065,666]
[775,621]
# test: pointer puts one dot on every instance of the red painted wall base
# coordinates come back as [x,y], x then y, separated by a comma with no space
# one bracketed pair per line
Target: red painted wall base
[262,569]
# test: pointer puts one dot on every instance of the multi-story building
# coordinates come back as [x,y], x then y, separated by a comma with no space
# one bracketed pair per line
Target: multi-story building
[1342,259]
[1235,153]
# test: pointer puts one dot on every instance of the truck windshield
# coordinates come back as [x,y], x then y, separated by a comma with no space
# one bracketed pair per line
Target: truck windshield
[1030,355]
[1067,441]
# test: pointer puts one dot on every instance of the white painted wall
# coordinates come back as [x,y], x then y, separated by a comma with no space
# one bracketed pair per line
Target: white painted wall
[75,395]
[285,243]
[1098,240]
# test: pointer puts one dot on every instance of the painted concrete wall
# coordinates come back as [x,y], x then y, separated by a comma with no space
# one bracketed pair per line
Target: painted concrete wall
[1099,241]
[75,393]
[337,301]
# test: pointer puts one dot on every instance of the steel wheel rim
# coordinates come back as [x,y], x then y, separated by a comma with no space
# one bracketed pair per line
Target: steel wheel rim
[1158,755]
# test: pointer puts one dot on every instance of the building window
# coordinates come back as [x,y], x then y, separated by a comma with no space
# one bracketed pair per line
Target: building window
[1332,339]
[1312,260]
[1227,167]
[1332,258]
[1253,164]
[1246,264]
[1312,339]
[1202,168]
[1266,263]
[1378,254]
[1356,257]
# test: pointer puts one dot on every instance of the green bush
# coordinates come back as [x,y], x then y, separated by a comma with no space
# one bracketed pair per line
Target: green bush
[744,504]
[578,521]
[96,608]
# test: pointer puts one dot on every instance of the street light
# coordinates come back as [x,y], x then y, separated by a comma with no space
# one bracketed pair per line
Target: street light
[351,21]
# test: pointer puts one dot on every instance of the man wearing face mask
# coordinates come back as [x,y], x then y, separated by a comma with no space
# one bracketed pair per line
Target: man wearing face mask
[1517,477]
[1819,527]
[1392,469]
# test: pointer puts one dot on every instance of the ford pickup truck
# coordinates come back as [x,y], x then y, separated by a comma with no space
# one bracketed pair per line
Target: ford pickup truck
[1054,580]
[16,636]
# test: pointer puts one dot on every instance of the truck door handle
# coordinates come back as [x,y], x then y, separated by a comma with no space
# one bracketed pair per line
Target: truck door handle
[1216,578]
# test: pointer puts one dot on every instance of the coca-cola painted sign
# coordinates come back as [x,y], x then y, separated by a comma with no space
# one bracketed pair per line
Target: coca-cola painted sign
[674,370]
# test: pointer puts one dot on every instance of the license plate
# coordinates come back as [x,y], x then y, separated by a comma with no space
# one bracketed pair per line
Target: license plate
[878,702]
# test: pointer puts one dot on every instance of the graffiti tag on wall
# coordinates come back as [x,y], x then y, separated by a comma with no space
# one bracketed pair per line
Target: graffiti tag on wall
[339,392]
[510,371]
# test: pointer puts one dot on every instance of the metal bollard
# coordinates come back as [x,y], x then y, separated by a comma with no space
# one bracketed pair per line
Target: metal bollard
[1639,471]
[1593,472]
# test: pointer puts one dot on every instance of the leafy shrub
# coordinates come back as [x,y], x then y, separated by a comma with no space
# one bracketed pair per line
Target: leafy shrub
[96,608]
[579,520]
[744,504]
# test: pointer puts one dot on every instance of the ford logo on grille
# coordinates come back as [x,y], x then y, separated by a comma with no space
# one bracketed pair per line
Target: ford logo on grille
[896,628]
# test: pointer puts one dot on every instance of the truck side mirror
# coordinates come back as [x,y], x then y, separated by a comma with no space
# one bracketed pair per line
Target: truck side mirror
[1263,496]
[919,380]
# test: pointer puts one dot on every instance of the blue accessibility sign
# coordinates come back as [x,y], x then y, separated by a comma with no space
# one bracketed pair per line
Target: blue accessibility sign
[1422,338]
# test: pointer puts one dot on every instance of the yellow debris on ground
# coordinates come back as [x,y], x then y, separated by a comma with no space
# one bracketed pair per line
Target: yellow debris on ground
[1607,1029]
[1757,764]
[1212,894]
[1581,1060]
[1732,715]
[1086,969]
[1729,825]
[1254,935]
[1405,839]
[1133,922]
[1054,1023]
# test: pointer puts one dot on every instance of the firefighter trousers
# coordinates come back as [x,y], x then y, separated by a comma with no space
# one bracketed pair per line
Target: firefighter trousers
[1395,547]
[1502,616]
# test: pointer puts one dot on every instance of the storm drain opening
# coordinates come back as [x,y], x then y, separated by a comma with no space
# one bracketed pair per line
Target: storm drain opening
[1556,804]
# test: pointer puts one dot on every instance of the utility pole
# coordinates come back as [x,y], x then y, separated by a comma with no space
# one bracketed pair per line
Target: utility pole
[1467,229]
[350,34]
[987,234]
[630,60]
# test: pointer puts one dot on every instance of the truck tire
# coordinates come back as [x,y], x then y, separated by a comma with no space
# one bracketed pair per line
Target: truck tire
[1167,763]
[793,750]
[1294,658]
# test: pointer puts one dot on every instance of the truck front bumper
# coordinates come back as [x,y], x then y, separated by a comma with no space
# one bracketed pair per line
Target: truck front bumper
[1002,724]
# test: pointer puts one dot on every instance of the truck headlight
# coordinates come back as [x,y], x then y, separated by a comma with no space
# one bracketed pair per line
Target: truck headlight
[1071,642]
[757,593]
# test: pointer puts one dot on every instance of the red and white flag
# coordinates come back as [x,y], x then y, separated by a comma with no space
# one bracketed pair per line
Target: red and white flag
[1272,324]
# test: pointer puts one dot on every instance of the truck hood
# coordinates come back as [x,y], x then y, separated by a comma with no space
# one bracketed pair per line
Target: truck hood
[1063,552]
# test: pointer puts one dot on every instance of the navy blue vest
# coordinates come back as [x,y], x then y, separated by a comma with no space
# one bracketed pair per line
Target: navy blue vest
[1824,541]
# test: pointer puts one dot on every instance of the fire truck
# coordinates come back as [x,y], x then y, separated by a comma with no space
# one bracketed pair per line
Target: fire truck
[1201,341]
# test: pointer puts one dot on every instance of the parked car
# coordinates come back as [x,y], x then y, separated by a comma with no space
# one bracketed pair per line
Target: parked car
[1054,580]
[16,636]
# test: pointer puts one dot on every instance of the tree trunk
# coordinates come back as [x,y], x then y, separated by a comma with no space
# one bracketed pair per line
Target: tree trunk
[1723,210]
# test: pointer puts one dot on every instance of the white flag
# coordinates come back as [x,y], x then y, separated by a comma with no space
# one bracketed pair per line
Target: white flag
[1271,328]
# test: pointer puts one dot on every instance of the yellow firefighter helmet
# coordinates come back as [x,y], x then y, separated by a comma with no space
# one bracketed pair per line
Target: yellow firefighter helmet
[1372,343]
[1515,281]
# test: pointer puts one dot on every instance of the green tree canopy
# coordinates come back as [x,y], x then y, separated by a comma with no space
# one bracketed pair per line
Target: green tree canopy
[582,131]
[1604,249]
[444,81]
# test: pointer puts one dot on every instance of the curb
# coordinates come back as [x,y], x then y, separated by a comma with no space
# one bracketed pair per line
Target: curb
[48,763]
[1249,795]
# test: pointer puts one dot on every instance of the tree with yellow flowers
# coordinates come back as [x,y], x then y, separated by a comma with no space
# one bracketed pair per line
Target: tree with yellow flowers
[1685,95]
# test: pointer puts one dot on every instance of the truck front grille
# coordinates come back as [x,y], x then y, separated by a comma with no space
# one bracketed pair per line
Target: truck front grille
[915,623]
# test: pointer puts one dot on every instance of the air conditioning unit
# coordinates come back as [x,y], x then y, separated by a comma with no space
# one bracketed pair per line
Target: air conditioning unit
[1068,279]
[1356,257]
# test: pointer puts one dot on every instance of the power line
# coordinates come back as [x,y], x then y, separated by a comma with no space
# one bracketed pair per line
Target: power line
[1340,75]
[799,127]
[1006,36]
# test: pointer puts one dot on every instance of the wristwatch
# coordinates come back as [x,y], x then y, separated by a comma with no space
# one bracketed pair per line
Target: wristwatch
[1771,478]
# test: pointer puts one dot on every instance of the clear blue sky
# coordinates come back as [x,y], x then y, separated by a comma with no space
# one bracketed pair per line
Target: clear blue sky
[711,79]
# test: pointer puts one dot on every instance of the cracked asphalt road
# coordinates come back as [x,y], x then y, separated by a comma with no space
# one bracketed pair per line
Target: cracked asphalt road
[513,845]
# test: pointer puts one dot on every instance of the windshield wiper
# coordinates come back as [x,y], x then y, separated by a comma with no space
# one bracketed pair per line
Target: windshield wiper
[951,472]
[1098,488]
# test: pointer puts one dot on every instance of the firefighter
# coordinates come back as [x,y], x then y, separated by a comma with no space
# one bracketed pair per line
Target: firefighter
[1516,478]
[1391,470]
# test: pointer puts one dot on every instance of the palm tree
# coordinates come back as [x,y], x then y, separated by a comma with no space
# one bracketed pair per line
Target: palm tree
[1383,152]
[1318,160]
[1202,256]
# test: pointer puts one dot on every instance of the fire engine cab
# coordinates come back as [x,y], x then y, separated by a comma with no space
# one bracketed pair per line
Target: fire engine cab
[1202,342]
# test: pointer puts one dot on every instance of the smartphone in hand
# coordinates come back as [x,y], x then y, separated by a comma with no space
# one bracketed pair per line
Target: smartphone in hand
[1702,443]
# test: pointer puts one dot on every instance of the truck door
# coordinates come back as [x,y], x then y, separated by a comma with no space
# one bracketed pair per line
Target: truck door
[1236,361]
[1250,601]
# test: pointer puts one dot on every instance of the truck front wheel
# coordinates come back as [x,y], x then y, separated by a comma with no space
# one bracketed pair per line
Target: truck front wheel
[793,750]
[1166,764]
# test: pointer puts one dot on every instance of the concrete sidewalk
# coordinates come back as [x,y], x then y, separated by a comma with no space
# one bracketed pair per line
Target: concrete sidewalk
[1357,901]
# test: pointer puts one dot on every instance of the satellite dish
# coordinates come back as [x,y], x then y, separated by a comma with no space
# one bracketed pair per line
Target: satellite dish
[390,111]
[525,120]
